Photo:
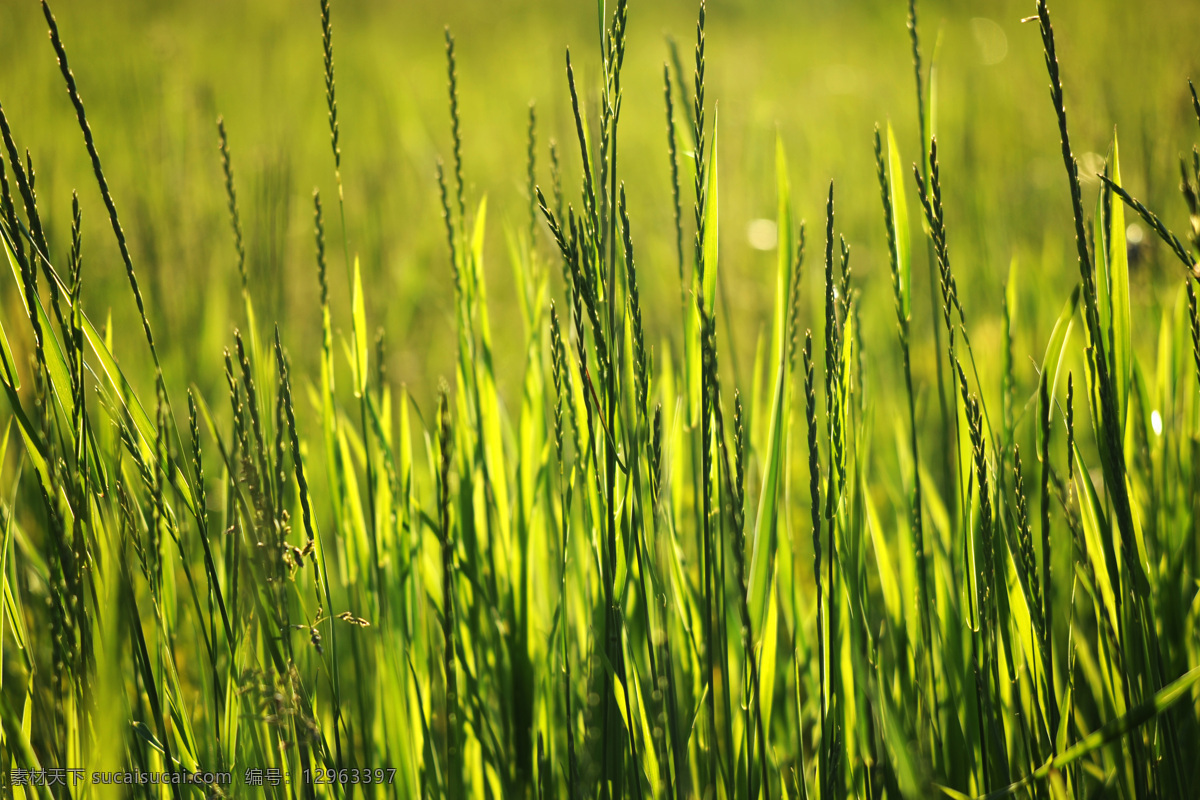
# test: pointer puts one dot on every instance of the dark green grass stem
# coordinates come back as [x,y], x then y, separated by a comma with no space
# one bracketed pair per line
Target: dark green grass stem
[1045,417]
[1111,446]
[561,390]
[983,641]
[930,194]
[1112,449]
[754,722]
[74,338]
[736,515]
[1195,100]
[611,109]
[923,125]
[708,546]
[814,488]
[453,769]
[834,408]
[285,389]
[903,322]
[708,554]
[361,390]
[90,144]
[833,387]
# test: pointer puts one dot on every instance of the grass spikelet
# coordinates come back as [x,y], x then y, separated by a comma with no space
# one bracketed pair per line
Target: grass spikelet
[540,595]
[74,335]
[1025,543]
[7,209]
[319,230]
[256,426]
[38,249]
[235,218]
[1194,319]
[592,217]
[455,123]
[330,86]
[24,177]
[285,389]
[673,158]
[641,367]
[701,204]
[930,192]
[158,519]
[1156,224]
[979,454]
[915,43]
[197,462]
[531,171]
[793,337]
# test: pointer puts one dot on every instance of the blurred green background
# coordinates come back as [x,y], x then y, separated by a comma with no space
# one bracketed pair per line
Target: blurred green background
[155,75]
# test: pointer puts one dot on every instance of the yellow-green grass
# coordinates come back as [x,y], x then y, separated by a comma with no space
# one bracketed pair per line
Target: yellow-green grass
[634,543]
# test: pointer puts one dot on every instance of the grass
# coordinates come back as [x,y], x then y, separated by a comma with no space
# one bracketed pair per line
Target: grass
[603,577]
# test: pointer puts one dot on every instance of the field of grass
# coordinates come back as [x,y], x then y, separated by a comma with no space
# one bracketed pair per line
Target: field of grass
[771,400]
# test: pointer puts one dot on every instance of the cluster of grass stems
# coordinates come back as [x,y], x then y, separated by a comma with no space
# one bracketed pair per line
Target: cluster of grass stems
[609,590]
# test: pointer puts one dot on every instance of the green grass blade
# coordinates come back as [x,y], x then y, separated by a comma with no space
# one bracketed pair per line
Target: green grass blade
[359,321]
[1118,284]
[896,174]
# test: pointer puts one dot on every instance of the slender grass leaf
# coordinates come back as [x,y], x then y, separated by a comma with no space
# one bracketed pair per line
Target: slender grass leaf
[1118,273]
[896,184]
[360,334]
